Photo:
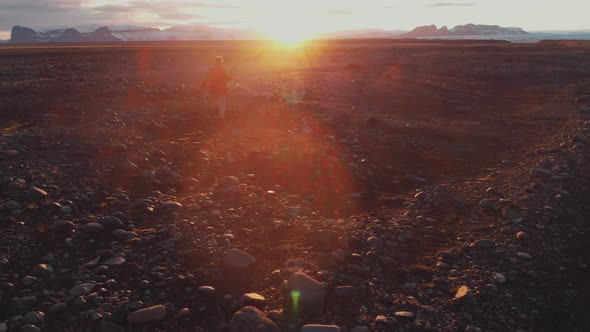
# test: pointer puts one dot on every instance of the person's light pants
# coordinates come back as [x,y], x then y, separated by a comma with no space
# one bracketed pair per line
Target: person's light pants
[221,104]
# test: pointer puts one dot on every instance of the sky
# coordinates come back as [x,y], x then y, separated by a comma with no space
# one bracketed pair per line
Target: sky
[311,15]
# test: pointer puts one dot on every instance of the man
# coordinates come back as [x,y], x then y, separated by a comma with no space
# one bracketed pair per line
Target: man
[215,82]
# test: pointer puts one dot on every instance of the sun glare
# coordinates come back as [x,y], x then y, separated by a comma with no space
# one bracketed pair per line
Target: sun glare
[287,23]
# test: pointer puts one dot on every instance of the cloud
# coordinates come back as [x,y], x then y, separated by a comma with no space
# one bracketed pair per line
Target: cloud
[340,12]
[30,5]
[175,11]
[112,9]
[38,13]
[452,4]
[210,5]
[43,13]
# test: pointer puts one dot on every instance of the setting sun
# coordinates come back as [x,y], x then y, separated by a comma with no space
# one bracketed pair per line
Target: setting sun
[289,24]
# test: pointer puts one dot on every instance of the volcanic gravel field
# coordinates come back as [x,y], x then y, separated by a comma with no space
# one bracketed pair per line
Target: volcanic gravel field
[361,185]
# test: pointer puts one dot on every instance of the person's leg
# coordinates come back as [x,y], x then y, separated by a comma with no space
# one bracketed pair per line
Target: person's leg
[221,103]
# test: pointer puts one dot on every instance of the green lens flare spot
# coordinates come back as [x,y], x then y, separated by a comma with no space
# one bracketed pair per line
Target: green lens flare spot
[295,295]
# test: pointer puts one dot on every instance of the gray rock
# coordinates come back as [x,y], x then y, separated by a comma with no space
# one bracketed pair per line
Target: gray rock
[184,313]
[111,222]
[375,243]
[79,302]
[512,215]
[12,205]
[324,239]
[464,295]
[43,270]
[498,278]
[93,227]
[127,167]
[250,319]
[57,308]
[230,189]
[108,326]
[582,138]
[229,237]
[277,316]
[65,209]
[135,305]
[35,193]
[524,255]
[123,235]
[254,300]
[405,236]
[115,261]
[169,244]
[414,179]
[344,291]
[171,205]
[93,262]
[48,258]
[147,315]
[206,290]
[407,315]
[59,226]
[15,186]
[33,317]
[10,153]
[81,289]
[320,328]
[238,260]
[3,327]
[491,288]
[30,328]
[229,181]
[484,243]
[28,280]
[306,294]
[26,302]
[487,204]
[540,173]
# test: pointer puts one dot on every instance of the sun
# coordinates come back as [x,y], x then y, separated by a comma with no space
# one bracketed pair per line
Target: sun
[289,37]
[287,23]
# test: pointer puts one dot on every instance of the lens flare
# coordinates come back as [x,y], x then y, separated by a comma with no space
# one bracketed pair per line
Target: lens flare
[295,295]
[293,91]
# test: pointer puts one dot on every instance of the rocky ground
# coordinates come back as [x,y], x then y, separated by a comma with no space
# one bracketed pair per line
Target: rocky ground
[360,187]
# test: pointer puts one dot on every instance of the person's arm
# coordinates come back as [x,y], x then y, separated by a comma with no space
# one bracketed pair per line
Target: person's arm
[205,80]
[230,76]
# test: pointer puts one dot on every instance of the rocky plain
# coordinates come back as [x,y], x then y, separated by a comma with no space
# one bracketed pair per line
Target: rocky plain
[354,186]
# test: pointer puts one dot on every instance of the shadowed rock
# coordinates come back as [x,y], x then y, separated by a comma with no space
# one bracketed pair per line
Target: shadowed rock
[306,294]
[147,315]
[250,319]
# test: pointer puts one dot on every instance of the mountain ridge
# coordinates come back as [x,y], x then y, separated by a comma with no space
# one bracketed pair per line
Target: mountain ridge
[463,30]
[122,33]
[20,35]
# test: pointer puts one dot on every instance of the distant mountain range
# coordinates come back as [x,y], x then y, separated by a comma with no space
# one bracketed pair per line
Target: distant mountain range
[463,30]
[70,35]
[21,34]
[122,33]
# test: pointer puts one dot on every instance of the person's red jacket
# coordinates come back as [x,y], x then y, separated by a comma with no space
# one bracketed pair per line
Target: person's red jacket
[216,81]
